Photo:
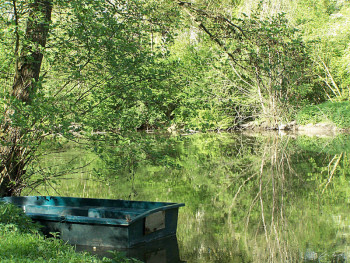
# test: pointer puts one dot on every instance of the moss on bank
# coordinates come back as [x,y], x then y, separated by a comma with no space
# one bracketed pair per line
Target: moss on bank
[21,241]
[336,113]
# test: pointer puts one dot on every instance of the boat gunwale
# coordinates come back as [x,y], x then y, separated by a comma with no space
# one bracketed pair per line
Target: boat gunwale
[93,220]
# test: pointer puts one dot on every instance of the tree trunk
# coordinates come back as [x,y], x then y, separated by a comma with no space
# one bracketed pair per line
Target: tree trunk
[29,63]
[15,153]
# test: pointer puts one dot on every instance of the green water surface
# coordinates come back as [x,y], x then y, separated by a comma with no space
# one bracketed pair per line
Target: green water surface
[249,198]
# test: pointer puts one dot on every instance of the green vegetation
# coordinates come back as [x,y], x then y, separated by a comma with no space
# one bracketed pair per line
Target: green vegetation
[81,67]
[21,241]
[247,197]
[335,113]
[96,71]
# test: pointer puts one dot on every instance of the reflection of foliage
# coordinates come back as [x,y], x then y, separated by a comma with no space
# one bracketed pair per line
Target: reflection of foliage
[56,160]
[248,198]
[248,193]
[124,155]
[288,198]
[327,145]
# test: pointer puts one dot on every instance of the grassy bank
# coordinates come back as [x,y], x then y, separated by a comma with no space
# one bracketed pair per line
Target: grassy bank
[335,113]
[21,241]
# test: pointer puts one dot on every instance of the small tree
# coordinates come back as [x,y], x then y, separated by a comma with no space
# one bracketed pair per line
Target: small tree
[14,150]
[267,57]
[275,62]
[98,58]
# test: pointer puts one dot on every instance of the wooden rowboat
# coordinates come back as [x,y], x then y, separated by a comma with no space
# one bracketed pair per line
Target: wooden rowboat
[101,222]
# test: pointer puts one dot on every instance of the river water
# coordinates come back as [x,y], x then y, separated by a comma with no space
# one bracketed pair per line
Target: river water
[249,197]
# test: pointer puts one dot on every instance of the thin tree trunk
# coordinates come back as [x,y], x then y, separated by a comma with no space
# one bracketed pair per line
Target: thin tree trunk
[14,153]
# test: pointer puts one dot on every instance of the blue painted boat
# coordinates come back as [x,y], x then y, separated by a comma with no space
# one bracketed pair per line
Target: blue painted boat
[101,222]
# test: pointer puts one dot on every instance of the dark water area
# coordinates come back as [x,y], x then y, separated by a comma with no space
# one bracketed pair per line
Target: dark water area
[165,250]
[249,198]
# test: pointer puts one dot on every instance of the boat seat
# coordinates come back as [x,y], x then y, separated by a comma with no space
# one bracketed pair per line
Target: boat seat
[115,213]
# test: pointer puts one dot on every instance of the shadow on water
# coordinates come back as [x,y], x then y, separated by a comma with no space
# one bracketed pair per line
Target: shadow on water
[160,251]
[249,197]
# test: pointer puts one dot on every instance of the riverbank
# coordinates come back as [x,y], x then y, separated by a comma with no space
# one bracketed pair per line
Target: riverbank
[310,128]
[327,118]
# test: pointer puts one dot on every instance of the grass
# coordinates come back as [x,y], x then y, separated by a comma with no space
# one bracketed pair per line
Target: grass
[336,113]
[21,241]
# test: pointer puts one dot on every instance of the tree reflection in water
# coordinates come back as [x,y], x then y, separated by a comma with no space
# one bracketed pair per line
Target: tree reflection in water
[249,198]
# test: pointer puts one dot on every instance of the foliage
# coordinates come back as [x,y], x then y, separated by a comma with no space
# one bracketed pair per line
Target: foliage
[83,39]
[278,65]
[210,99]
[324,23]
[132,89]
[336,113]
[265,60]
[121,66]
[12,216]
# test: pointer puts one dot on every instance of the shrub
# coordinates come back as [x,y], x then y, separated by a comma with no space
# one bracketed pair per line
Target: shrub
[337,113]
[11,215]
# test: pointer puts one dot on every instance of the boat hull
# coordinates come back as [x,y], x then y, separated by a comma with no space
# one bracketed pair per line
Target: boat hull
[101,222]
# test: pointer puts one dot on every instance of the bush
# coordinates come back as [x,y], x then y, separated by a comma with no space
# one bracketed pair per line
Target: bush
[337,113]
[11,215]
